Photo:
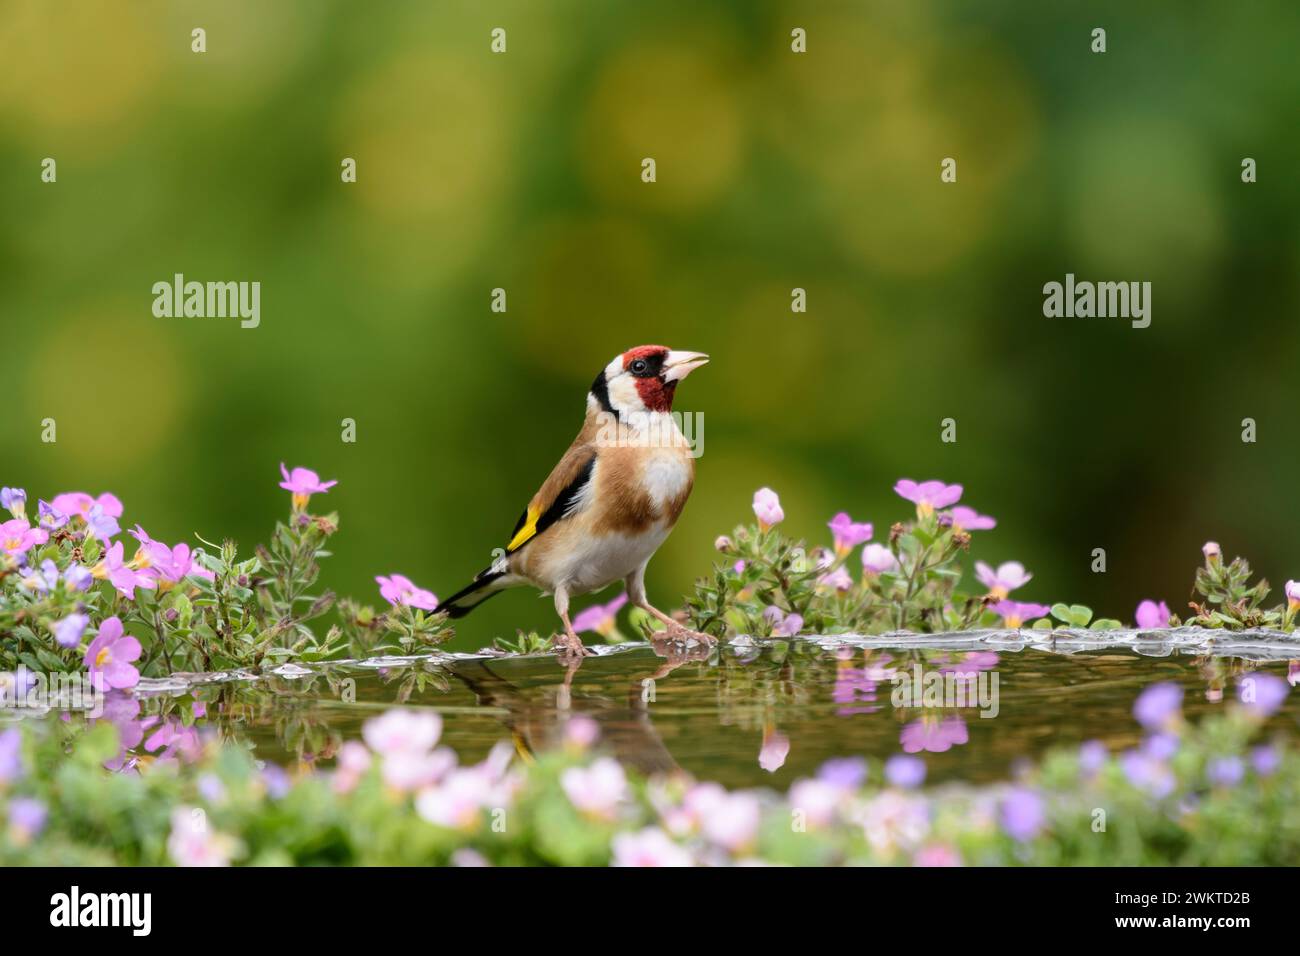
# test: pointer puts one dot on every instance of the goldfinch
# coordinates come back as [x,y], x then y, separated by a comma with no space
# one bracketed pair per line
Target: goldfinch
[610,502]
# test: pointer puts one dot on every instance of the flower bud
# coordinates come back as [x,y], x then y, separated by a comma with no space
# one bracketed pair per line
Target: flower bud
[1212,553]
[724,544]
[170,615]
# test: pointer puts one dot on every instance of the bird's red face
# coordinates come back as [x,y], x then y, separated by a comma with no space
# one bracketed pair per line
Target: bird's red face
[644,379]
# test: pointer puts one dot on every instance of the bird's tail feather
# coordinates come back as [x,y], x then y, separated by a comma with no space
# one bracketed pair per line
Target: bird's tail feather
[487,584]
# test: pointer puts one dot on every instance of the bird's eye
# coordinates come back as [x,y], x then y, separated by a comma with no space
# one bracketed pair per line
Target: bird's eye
[639,367]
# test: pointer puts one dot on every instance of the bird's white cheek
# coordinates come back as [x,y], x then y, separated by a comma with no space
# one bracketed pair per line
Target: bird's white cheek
[624,396]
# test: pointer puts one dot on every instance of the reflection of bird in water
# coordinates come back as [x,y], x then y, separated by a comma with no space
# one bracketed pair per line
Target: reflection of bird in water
[537,710]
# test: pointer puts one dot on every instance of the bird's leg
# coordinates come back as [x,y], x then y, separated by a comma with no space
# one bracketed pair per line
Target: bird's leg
[674,630]
[568,644]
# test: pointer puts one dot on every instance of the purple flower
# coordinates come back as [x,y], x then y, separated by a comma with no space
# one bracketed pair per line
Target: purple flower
[111,653]
[14,500]
[1009,576]
[1159,706]
[11,755]
[1262,694]
[1150,614]
[399,589]
[962,518]
[1022,814]
[1212,551]
[767,508]
[1293,595]
[100,524]
[1265,760]
[1014,614]
[276,781]
[904,771]
[17,536]
[845,773]
[928,495]
[49,517]
[1160,746]
[601,618]
[42,580]
[1147,773]
[303,483]
[934,736]
[1092,757]
[848,533]
[67,632]
[26,818]
[77,577]
[1225,771]
[877,559]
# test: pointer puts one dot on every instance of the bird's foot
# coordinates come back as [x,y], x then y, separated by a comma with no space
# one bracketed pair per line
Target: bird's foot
[681,634]
[569,647]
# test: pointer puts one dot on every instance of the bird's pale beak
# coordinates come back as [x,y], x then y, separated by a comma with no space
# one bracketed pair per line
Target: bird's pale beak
[677,365]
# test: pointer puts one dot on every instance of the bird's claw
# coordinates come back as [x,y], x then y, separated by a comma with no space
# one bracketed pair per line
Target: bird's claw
[569,647]
[680,634]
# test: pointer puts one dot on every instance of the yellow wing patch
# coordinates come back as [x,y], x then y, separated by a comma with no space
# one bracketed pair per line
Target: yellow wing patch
[528,529]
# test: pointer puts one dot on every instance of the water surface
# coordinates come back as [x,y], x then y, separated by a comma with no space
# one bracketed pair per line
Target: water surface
[742,715]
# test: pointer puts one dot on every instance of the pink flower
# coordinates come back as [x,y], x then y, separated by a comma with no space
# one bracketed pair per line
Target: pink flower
[158,563]
[77,504]
[601,618]
[876,559]
[1014,614]
[816,801]
[767,508]
[937,854]
[596,791]
[402,732]
[928,495]
[1151,614]
[193,842]
[838,579]
[17,536]
[120,575]
[458,800]
[352,764]
[111,653]
[1293,595]
[731,820]
[649,847]
[848,533]
[1212,551]
[783,625]
[303,483]
[399,589]
[967,519]
[1009,576]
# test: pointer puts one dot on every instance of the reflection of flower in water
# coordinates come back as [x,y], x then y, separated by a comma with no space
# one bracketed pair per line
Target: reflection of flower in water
[857,685]
[776,747]
[934,736]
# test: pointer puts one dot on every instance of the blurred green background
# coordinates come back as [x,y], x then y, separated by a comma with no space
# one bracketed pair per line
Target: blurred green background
[775,170]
